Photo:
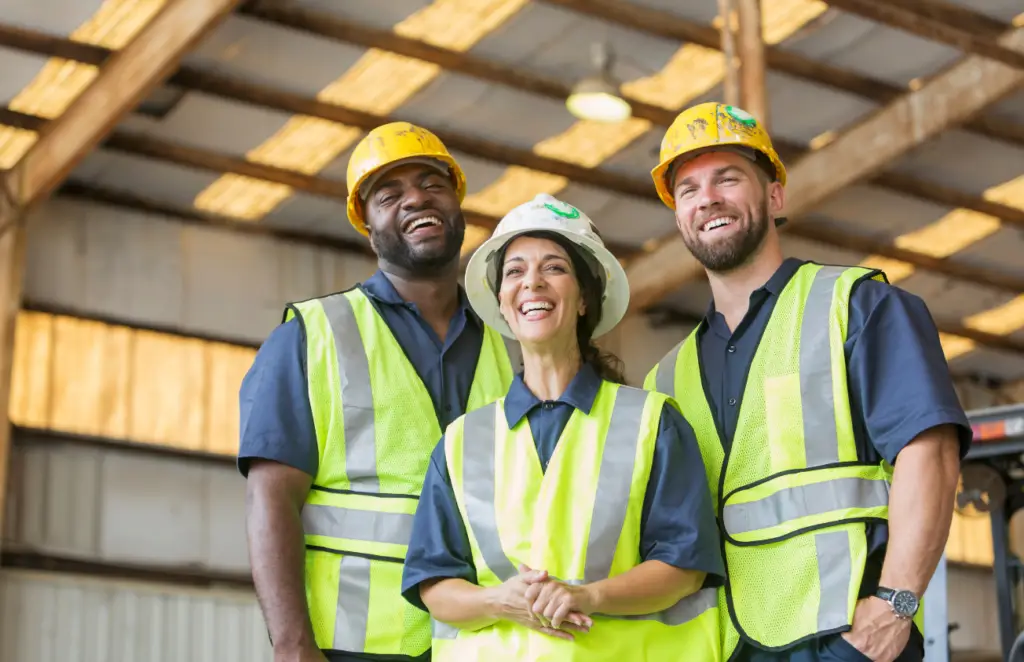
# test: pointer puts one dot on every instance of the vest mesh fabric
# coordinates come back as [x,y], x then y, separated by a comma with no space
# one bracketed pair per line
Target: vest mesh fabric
[376,428]
[579,520]
[775,584]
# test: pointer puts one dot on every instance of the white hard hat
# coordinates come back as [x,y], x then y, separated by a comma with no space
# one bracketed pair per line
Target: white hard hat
[546,213]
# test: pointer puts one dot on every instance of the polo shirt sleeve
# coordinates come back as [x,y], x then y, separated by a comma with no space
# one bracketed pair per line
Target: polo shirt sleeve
[276,421]
[439,546]
[678,520]
[899,380]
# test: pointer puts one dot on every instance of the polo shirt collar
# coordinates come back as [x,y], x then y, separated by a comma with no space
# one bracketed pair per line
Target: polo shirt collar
[580,394]
[773,287]
[382,290]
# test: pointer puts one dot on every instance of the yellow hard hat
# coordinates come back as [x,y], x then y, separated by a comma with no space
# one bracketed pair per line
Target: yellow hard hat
[705,127]
[387,145]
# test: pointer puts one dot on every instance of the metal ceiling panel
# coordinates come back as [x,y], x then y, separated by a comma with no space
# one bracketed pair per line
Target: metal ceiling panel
[639,157]
[479,173]
[54,16]
[1007,366]
[210,123]
[964,161]
[1004,10]
[1010,108]
[312,213]
[698,12]
[1003,250]
[370,12]
[950,299]
[871,49]
[558,43]
[17,69]
[871,210]
[492,112]
[620,218]
[801,110]
[271,55]
[145,177]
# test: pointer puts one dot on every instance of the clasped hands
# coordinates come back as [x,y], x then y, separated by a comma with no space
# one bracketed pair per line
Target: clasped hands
[535,600]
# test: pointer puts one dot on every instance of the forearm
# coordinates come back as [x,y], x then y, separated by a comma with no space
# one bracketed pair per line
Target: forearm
[650,587]
[920,509]
[460,603]
[277,556]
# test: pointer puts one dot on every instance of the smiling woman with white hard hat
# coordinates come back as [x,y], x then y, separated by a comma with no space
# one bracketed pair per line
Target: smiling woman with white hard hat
[570,519]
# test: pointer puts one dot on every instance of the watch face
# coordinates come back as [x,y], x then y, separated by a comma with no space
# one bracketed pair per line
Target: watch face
[905,603]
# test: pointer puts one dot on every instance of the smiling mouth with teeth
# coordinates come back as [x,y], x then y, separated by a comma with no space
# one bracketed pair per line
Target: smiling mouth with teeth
[427,222]
[531,306]
[717,223]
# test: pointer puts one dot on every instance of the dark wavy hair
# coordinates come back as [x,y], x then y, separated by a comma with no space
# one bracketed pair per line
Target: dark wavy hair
[586,268]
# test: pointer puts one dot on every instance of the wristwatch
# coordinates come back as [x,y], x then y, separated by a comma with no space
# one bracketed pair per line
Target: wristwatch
[904,603]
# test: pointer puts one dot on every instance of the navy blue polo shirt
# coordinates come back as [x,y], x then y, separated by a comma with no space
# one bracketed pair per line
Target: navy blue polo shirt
[899,384]
[276,419]
[677,519]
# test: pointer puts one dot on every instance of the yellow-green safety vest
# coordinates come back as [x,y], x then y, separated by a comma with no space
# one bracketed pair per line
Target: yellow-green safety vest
[376,428]
[791,495]
[579,520]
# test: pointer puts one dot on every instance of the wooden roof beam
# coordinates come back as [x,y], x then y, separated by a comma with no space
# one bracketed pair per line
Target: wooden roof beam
[949,99]
[931,27]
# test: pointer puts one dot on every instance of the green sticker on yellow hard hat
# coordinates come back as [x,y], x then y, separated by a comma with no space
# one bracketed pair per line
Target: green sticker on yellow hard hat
[741,116]
[564,210]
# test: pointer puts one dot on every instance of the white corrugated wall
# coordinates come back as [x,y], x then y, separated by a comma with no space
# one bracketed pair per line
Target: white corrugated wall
[117,506]
[144,269]
[46,617]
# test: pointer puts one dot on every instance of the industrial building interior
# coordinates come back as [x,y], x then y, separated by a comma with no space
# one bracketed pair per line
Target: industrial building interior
[174,175]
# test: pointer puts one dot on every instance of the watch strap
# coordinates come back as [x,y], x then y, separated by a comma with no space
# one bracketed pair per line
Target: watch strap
[885,593]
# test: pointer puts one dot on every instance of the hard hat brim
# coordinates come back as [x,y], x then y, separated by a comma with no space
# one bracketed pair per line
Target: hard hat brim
[484,300]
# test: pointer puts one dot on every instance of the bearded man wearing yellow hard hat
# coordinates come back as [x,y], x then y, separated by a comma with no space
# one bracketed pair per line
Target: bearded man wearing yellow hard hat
[825,412]
[345,402]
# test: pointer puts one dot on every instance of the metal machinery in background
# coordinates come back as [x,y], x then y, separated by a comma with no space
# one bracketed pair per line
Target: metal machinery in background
[992,481]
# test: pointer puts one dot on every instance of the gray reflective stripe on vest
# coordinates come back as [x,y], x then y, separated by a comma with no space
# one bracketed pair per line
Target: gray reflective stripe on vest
[478,486]
[802,501]
[683,611]
[665,378]
[356,395]
[353,604]
[821,441]
[367,525]
[614,479]
[439,630]
[834,561]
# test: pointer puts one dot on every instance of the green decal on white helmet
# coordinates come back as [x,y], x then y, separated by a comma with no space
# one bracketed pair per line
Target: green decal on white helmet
[566,211]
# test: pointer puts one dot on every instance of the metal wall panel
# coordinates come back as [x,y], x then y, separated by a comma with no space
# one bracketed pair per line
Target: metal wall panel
[151,271]
[118,506]
[55,618]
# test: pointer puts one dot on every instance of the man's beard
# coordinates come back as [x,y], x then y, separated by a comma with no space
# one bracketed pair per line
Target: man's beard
[723,256]
[424,259]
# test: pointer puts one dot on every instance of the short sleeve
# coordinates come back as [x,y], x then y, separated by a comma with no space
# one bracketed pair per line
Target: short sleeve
[899,380]
[276,421]
[439,546]
[678,525]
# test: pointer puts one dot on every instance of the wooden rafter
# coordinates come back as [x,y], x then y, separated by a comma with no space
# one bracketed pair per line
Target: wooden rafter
[125,79]
[930,27]
[948,100]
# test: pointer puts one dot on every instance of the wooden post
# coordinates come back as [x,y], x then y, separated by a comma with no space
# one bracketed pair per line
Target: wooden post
[753,93]
[731,83]
[12,258]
